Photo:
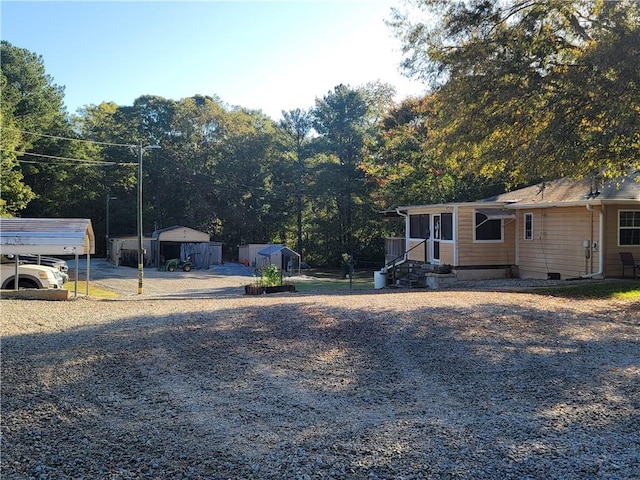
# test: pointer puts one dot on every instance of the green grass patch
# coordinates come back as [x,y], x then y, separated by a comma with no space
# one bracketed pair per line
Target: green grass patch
[331,280]
[93,291]
[623,290]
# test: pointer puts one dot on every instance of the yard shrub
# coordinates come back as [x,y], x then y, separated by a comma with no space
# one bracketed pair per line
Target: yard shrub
[271,276]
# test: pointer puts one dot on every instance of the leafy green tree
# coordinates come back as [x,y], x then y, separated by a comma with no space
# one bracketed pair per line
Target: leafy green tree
[107,132]
[218,170]
[400,162]
[15,194]
[525,88]
[253,205]
[31,102]
[63,175]
[340,118]
[406,166]
[297,126]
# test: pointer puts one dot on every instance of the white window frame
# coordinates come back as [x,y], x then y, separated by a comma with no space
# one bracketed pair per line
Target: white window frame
[429,233]
[633,227]
[475,239]
[528,216]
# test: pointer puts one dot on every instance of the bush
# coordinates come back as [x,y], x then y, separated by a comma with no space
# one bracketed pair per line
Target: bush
[271,276]
[444,269]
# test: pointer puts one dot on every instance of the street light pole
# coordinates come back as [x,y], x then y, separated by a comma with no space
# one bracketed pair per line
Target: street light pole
[141,149]
[109,197]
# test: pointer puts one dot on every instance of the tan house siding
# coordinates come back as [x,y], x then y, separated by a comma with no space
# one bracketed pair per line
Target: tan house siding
[613,265]
[575,228]
[418,253]
[531,259]
[558,242]
[446,253]
[474,253]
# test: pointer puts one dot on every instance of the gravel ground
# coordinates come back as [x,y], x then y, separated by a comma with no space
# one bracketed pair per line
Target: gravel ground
[378,384]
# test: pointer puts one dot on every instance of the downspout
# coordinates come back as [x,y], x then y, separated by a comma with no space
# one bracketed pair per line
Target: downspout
[406,232]
[600,243]
[455,235]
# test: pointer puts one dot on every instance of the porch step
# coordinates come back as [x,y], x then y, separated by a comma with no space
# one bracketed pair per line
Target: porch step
[411,275]
[410,281]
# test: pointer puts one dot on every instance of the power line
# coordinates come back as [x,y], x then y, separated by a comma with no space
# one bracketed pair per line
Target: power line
[62,163]
[82,160]
[57,137]
[249,189]
[79,160]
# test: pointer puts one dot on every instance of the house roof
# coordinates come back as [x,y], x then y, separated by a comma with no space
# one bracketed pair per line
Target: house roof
[562,192]
[47,236]
[571,190]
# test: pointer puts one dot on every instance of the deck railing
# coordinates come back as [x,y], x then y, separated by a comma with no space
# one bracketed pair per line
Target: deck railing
[393,249]
[393,243]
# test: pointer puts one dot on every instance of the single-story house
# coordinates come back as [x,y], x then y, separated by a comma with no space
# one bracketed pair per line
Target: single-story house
[567,228]
[259,255]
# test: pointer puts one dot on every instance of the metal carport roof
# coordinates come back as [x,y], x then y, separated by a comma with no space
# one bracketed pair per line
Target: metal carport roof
[47,236]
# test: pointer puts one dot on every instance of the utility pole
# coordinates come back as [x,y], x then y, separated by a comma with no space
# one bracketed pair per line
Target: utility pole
[106,235]
[141,149]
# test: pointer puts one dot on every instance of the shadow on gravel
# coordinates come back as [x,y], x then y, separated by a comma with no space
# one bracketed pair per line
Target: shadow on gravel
[306,390]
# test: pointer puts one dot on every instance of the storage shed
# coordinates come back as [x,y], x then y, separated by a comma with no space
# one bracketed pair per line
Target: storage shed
[124,251]
[259,255]
[182,242]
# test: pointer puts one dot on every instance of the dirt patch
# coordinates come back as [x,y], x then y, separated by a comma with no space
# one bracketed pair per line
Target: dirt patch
[369,385]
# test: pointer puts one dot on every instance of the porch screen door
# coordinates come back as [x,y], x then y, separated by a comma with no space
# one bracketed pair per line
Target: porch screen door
[435,239]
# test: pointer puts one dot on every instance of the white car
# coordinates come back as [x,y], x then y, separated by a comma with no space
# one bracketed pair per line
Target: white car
[30,276]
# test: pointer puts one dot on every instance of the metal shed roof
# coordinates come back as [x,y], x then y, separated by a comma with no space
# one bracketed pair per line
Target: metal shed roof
[271,249]
[178,233]
[47,236]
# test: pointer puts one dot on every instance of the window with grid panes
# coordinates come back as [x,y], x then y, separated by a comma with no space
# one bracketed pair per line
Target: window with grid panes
[629,227]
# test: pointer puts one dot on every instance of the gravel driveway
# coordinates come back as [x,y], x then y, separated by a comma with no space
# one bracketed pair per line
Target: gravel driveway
[379,384]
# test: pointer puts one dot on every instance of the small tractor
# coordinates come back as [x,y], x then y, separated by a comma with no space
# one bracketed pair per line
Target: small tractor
[174,263]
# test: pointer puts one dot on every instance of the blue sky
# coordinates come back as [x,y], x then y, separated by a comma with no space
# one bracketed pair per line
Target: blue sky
[271,56]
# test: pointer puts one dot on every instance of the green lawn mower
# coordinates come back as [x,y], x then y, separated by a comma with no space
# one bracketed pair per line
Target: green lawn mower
[176,263]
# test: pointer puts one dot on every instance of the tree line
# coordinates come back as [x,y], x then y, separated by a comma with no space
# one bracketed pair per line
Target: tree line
[519,92]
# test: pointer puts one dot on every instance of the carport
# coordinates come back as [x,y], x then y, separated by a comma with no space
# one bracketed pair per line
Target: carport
[48,236]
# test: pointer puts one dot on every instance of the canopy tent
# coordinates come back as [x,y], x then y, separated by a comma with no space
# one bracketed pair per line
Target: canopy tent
[48,236]
[285,252]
